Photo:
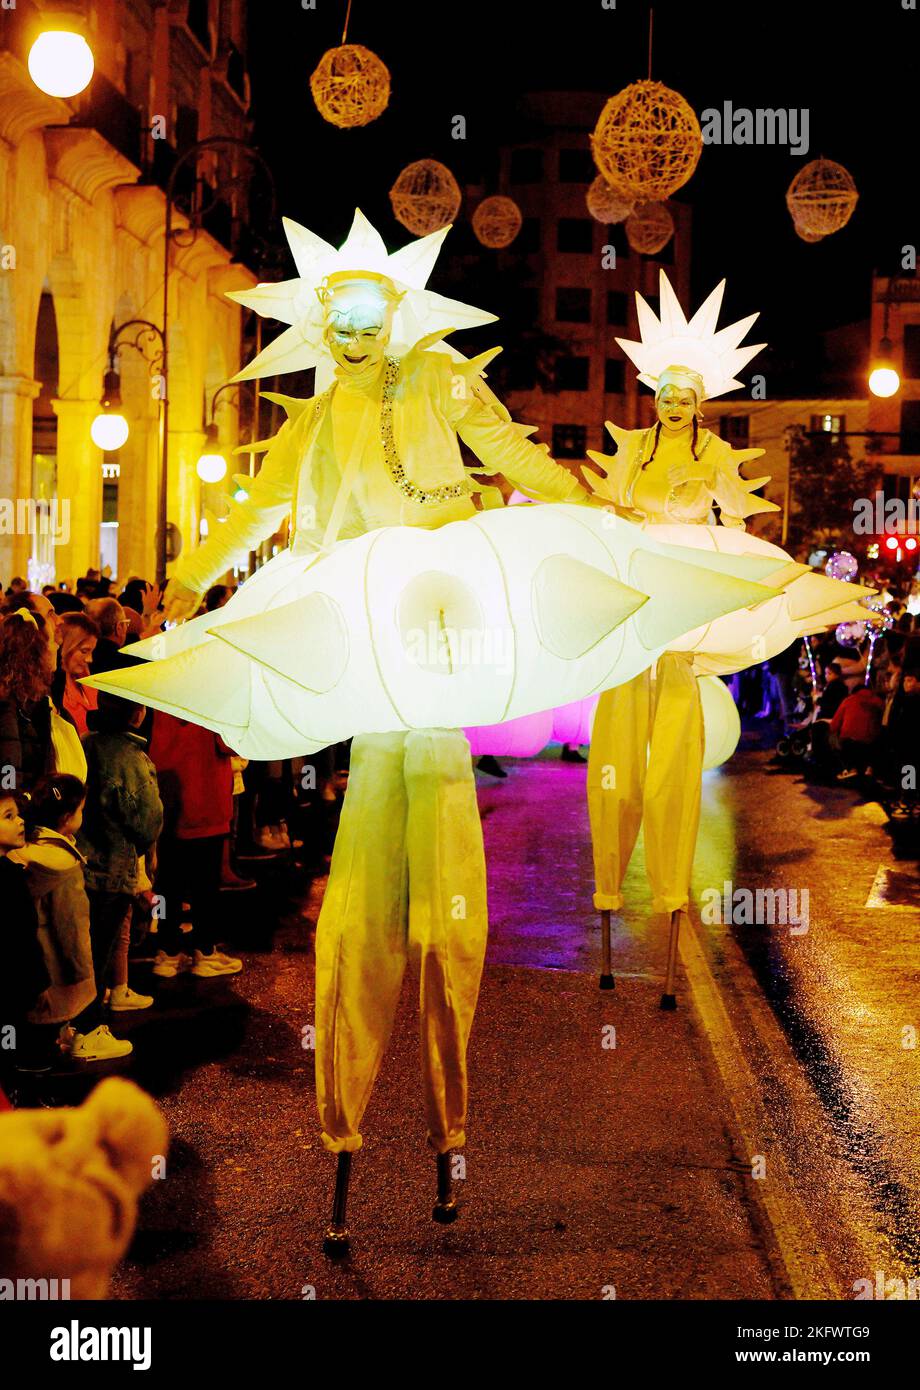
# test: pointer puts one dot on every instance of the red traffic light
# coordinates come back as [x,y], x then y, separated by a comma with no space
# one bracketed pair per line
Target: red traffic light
[891,542]
[910,543]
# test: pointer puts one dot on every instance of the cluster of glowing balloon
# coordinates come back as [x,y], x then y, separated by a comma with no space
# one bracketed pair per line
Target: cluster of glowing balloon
[850,634]
[61,63]
[350,86]
[479,621]
[528,735]
[497,221]
[821,198]
[649,228]
[721,722]
[842,565]
[605,204]
[647,142]
[425,197]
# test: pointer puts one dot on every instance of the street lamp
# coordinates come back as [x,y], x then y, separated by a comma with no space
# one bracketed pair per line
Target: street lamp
[60,60]
[109,430]
[883,378]
[211,466]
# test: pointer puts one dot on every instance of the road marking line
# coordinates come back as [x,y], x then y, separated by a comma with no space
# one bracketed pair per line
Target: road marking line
[809,1274]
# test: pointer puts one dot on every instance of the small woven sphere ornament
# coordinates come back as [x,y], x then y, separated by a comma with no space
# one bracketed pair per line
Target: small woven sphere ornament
[821,197]
[605,204]
[425,197]
[497,222]
[649,228]
[807,235]
[647,141]
[350,86]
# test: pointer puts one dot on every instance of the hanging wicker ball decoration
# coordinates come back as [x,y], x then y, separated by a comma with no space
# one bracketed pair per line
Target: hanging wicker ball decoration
[350,86]
[647,141]
[425,197]
[497,221]
[605,204]
[649,228]
[821,197]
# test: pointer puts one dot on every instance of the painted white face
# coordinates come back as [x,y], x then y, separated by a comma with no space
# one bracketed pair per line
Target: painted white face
[676,407]
[357,329]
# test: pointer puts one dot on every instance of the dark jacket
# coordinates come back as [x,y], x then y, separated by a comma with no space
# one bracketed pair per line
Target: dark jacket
[24,976]
[54,873]
[123,814]
[108,656]
[25,741]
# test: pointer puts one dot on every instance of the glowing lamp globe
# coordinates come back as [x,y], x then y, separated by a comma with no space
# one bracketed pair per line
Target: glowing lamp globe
[211,468]
[605,204]
[884,381]
[497,222]
[425,197]
[821,197]
[350,86]
[649,228]
[109,431]
[647,141]
[61,63]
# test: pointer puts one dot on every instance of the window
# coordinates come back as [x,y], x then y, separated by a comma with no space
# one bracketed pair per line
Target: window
[575,234]
[570,441]
[526,166]
[571,373]
[736,430]
[828,424]
[617,308]
[573,305]
[527,241]
[614,376]
[576,166]
[912,350]
[910,427]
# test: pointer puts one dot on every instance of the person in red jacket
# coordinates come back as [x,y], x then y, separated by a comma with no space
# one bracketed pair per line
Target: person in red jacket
[196,784]
[856,728]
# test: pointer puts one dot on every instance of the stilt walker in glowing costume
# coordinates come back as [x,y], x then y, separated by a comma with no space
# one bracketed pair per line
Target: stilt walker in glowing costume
[646,758]
[377,446]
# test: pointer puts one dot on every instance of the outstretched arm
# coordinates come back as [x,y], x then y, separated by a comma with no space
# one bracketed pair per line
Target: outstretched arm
[249,523]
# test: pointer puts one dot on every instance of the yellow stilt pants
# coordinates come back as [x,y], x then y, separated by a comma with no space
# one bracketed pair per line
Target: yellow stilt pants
[407,883]
[646,763]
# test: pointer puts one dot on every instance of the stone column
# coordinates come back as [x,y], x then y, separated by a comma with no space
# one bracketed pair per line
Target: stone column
[16,396]
[79,487]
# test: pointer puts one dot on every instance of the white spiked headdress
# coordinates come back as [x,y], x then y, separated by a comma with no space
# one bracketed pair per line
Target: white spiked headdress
[670,341]
[300,302]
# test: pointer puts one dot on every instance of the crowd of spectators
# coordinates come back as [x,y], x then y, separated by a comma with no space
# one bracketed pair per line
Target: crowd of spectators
[120,827]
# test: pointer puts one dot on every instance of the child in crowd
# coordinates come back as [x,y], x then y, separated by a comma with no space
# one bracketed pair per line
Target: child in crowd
[124,816]
[24,976]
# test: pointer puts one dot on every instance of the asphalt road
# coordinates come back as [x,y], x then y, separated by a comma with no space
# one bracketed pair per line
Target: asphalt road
[760,1143]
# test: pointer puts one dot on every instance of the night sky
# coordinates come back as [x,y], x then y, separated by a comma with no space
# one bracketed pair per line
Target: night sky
[854,67]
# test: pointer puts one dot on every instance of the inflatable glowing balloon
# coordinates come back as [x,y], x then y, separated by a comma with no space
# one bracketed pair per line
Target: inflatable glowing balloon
[529,735]
[483,620]
[721,721]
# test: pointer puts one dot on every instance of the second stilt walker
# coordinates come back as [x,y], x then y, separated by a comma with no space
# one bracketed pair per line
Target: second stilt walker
[378,446]
[646,758]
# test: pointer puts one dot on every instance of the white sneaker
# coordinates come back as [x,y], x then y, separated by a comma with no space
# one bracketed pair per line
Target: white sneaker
[123,997]
[99,1045]
[168,966]
[217,963]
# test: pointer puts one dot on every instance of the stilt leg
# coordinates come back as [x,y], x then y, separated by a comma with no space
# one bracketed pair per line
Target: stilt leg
[445,1208]
[669,998]
[336,1241]
[607,981]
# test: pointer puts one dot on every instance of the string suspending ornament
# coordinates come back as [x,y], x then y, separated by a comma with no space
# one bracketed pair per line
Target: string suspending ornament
[350,84]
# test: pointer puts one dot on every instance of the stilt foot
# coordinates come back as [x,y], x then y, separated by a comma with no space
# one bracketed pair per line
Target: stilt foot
[336,1241]
[445,1208]
[607,982]
[669,1002]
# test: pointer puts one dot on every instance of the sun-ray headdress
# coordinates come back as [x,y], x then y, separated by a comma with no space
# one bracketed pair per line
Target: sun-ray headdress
[696,347]
[401,277]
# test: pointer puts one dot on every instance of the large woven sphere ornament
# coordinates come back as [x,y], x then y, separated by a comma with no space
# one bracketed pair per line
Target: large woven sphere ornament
[821,197]
[351,86]
[605,204]
[647,141]
[497,222]
[649,228]
[425,197]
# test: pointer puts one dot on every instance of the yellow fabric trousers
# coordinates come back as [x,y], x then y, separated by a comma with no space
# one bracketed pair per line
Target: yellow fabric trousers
[646,762]
[407,883]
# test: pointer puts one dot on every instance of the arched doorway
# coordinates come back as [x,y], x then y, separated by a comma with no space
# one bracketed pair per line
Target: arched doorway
[43,519]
